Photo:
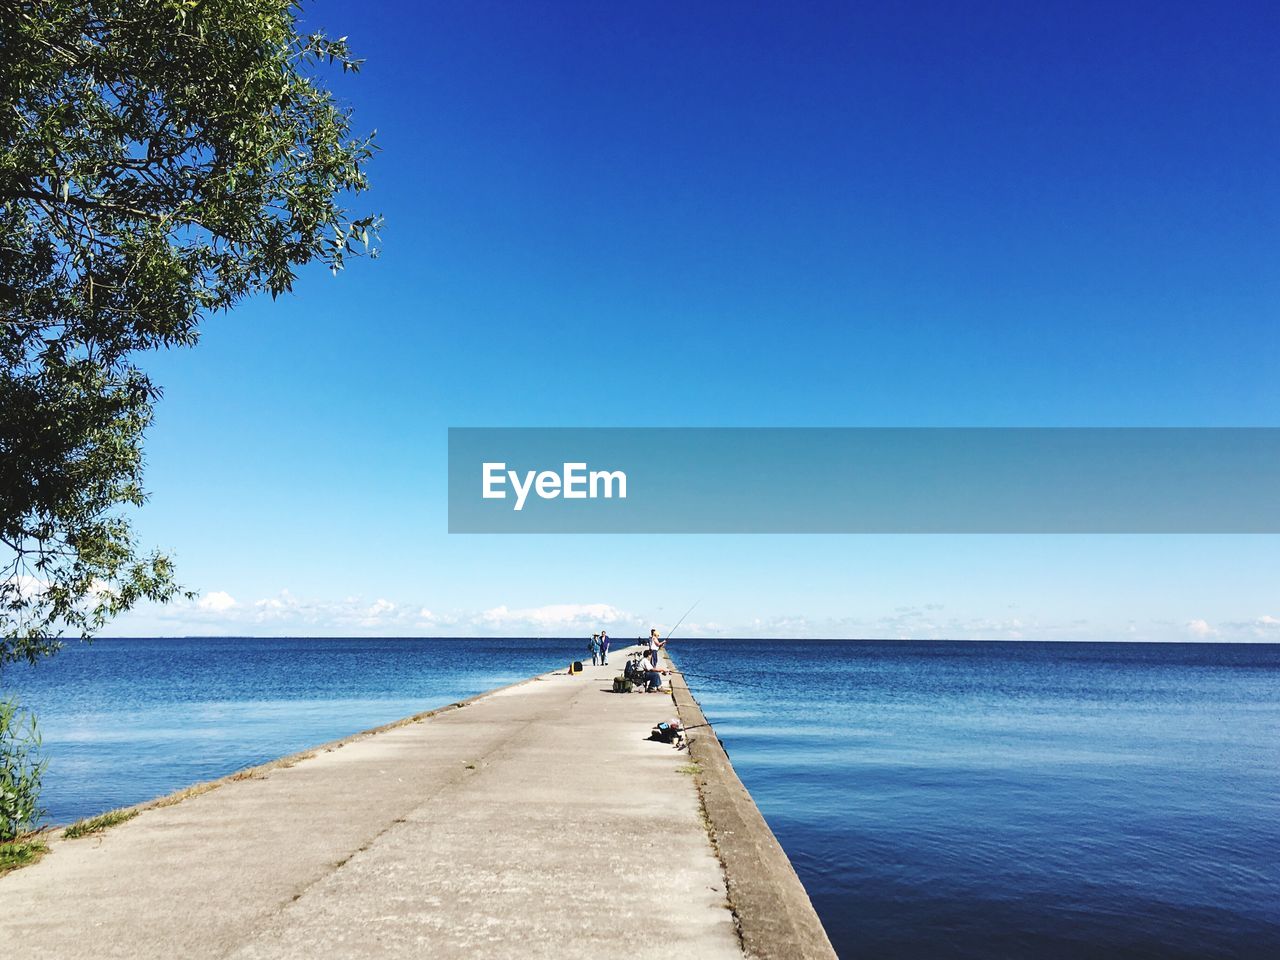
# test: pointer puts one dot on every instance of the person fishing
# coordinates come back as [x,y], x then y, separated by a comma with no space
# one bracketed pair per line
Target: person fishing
[656,643]
[653,677]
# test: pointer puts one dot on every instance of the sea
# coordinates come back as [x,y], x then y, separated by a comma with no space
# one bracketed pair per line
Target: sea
[938,799]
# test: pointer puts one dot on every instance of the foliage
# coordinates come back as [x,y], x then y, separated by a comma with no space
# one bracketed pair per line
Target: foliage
[20,853]
[20,771]
[160,160]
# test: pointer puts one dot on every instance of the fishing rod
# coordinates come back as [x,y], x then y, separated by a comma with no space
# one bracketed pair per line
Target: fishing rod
[681,620]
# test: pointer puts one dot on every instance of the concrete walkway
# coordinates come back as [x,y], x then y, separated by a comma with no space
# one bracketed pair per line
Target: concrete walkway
[538,821]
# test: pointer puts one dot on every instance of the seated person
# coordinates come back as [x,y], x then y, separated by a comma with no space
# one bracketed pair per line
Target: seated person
[635,669]
[653,679]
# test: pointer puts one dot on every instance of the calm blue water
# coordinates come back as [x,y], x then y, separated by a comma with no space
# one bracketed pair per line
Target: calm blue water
[1015,799]
[127,720]
[938,799]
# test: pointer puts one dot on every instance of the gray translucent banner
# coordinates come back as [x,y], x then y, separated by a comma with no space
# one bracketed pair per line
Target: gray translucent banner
[855,480]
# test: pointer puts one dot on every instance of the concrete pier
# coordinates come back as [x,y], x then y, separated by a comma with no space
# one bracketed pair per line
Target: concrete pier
[533,821]
[776,919]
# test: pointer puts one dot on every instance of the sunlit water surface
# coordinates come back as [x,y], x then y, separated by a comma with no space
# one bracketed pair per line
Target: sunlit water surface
[1015,799]
[128,720]
[938,799]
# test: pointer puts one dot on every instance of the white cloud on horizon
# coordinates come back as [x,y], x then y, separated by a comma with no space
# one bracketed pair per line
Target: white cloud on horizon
[218,612]
[1265,627]
[568,616]
[285,613]
[219,601]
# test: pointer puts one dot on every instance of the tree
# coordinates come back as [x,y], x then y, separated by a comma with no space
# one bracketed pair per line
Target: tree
[159,160]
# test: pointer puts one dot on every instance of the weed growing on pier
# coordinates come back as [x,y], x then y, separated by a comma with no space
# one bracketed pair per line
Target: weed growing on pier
[186,794]
[83,828]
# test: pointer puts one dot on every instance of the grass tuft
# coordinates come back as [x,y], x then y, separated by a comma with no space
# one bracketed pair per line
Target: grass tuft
[20,853]
[689,768]
[186,794]
[83,828]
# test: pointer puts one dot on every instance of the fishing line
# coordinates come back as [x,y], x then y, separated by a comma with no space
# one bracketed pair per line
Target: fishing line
[681,620]
[730,680]
[711,676]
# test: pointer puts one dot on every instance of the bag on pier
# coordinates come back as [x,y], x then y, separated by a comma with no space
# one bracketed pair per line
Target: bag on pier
[666,732]
[622,685]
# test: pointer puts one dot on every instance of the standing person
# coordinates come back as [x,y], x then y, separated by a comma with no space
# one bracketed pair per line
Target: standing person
[604,648]
[594,646]
[655,644]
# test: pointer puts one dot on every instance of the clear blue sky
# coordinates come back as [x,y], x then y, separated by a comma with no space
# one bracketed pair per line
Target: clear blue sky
[727,214]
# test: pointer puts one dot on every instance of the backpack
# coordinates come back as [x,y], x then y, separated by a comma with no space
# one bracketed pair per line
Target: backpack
[666,732]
